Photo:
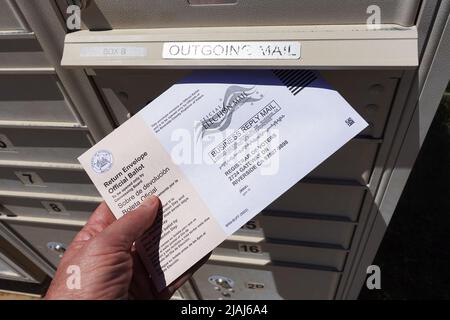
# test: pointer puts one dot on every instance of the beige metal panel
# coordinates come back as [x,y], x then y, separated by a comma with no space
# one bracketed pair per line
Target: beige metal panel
[58,158]
[296,227]
[342,200]
[52,191]
[50,30]
[353,162]
[353,46]
[10,271]
[218,280]
[12,138]
[48,240]
[31,98]
[23,255]
[48,180]
[269,251]
[22,53]
[55,209]
[18,260]
[10,17]
[42,177]
[105,14]
[419,109]
[19,49]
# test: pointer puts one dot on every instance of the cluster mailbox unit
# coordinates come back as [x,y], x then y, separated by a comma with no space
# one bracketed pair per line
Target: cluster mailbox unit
[62,90]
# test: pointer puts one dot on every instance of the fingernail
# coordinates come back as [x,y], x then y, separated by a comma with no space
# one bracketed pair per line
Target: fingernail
[150,201]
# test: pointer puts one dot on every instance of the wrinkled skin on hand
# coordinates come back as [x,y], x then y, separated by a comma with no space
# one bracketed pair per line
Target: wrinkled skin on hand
[109,266]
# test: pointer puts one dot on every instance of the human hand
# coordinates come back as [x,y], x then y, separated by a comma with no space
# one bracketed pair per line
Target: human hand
[109,266]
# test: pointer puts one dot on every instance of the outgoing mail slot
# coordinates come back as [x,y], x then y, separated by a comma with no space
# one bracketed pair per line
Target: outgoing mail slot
[48,240]
[55,209]
[218,280]
[297,228]
[370,92]
[34,98]
[353,162]
[342,200]
[281,251]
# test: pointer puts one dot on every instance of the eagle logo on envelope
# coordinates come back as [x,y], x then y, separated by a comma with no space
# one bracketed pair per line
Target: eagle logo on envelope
[220,118]
[101,161]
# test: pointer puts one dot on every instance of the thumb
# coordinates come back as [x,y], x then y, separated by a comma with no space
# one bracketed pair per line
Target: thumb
[130,227]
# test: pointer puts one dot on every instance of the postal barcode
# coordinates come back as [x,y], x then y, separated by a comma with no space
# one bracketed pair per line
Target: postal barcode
[296,80]
[350,122]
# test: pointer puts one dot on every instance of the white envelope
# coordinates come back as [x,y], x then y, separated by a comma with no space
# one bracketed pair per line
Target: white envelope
[217,148]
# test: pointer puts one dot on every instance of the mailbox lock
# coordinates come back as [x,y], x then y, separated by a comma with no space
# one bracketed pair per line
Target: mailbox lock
[57,247]
[221,282]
